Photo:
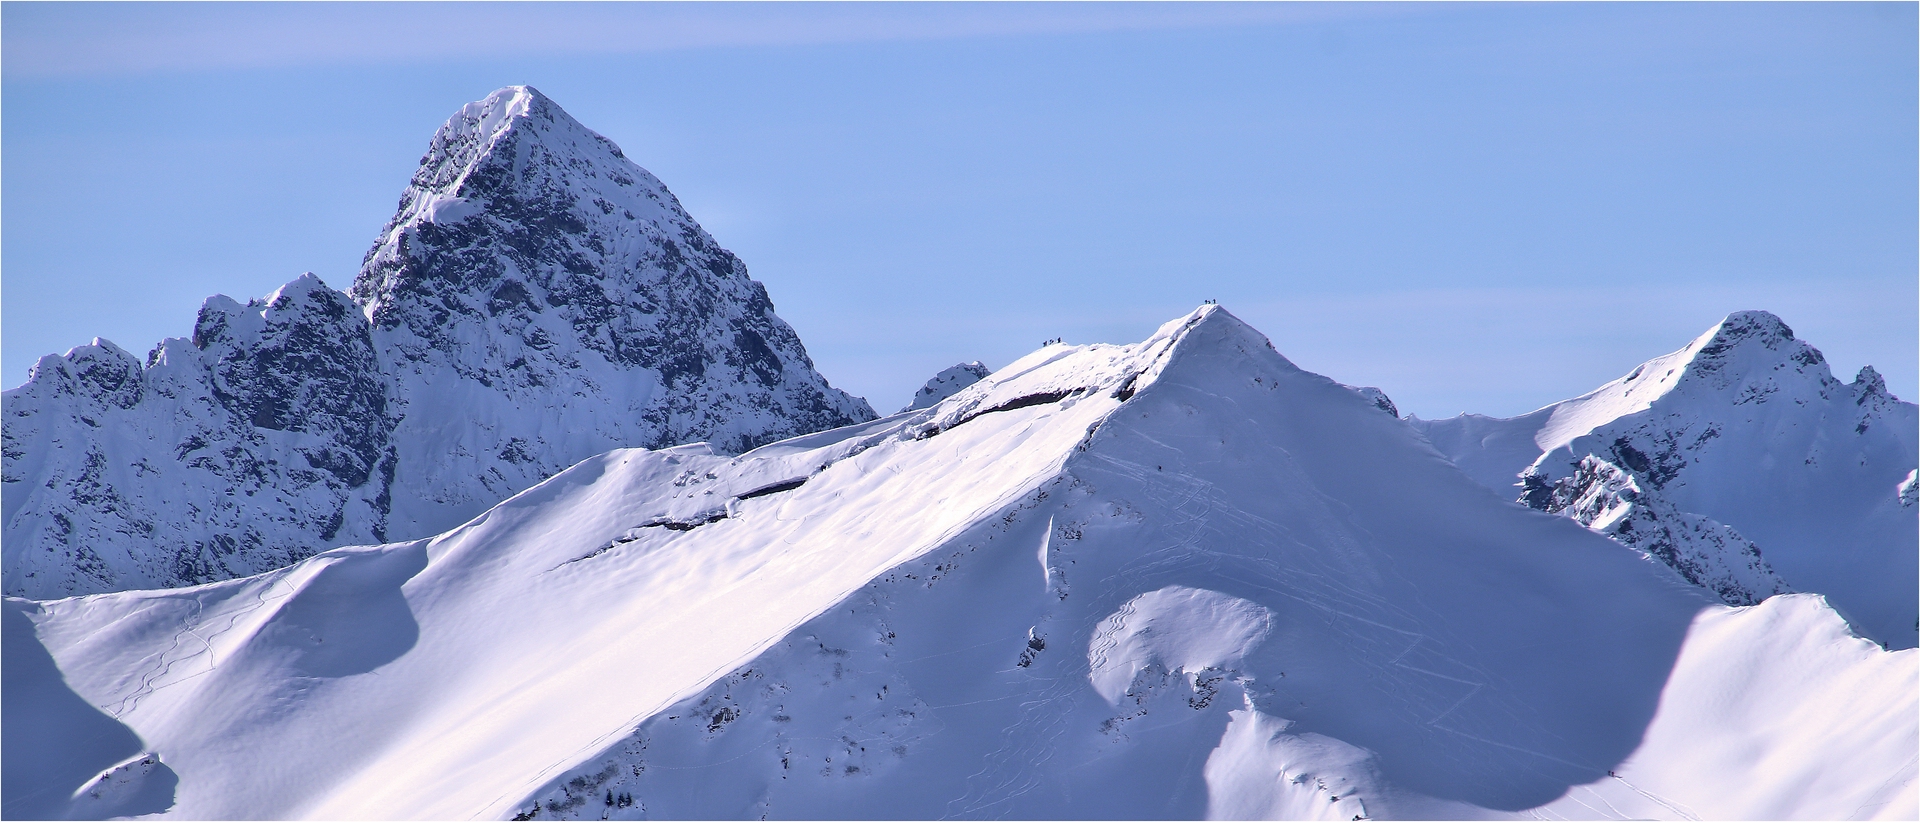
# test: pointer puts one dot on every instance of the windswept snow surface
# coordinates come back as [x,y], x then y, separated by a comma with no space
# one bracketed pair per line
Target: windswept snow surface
[537,299]
[1175,579]
[1747,427]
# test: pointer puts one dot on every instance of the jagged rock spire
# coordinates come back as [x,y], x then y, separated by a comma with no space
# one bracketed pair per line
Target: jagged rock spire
[536,299]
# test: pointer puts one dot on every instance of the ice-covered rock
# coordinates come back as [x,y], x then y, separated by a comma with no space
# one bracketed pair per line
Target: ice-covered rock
[536,299]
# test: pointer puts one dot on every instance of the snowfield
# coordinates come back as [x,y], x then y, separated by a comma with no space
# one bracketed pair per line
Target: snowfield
[1175,579]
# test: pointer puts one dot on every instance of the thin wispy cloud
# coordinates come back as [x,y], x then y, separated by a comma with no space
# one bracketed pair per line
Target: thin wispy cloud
[44,40]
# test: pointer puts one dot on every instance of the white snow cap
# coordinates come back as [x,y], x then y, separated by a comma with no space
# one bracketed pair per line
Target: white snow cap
[947,383]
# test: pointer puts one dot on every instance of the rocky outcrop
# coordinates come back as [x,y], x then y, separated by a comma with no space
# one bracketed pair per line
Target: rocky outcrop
[254,444]
[1746,427]
[1610,501]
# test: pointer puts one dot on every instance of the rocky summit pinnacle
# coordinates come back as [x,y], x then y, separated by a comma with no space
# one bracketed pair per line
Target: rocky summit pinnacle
[536,299]
[529,259]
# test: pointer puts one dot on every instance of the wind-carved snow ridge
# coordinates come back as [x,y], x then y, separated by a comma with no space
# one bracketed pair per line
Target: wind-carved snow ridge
[1745,426]
[946,383]
[536,299]
[1610,501]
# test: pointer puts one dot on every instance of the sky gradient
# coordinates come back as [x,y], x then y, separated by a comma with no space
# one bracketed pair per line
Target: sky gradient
[1477,208]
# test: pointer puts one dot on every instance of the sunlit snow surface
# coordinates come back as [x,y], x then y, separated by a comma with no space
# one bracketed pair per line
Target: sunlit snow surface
[1176,579]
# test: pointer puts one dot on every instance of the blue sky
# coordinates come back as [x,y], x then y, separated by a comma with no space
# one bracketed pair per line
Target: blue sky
[1475,207]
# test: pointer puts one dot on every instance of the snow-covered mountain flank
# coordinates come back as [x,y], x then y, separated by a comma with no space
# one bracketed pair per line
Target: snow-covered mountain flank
[1739,460]
[1175,579]
[537,299]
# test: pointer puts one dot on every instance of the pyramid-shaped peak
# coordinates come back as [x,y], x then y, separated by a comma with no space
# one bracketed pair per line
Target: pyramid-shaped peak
[509,108]
[1741,327]
[508,124]
[1747,340]
[513,179]
[1213,325]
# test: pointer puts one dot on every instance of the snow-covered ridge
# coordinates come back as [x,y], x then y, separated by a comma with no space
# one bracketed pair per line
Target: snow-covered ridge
[932,615]
[1745,426]
[1738,354]
[536,299]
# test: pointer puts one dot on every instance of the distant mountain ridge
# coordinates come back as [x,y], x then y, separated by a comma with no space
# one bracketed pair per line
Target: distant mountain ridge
[536,299]
[1182,578]
[1747,430]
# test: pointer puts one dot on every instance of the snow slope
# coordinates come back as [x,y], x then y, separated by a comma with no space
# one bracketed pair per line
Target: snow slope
[1747,427]
[537,299]
[1176,579]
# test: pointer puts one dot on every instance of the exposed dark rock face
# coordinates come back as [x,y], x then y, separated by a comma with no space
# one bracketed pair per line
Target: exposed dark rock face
[1610,501]
[529,258]
[536,299]
[261,441]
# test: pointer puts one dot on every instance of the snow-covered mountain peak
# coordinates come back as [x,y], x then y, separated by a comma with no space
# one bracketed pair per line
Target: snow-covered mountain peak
[1237,591]
[299,288]
[1763,327]
[1749,357]
[535,300]
[1747,348]
[99,370]
[543,186]
[530,259]
[1747,428]
[1058,371]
